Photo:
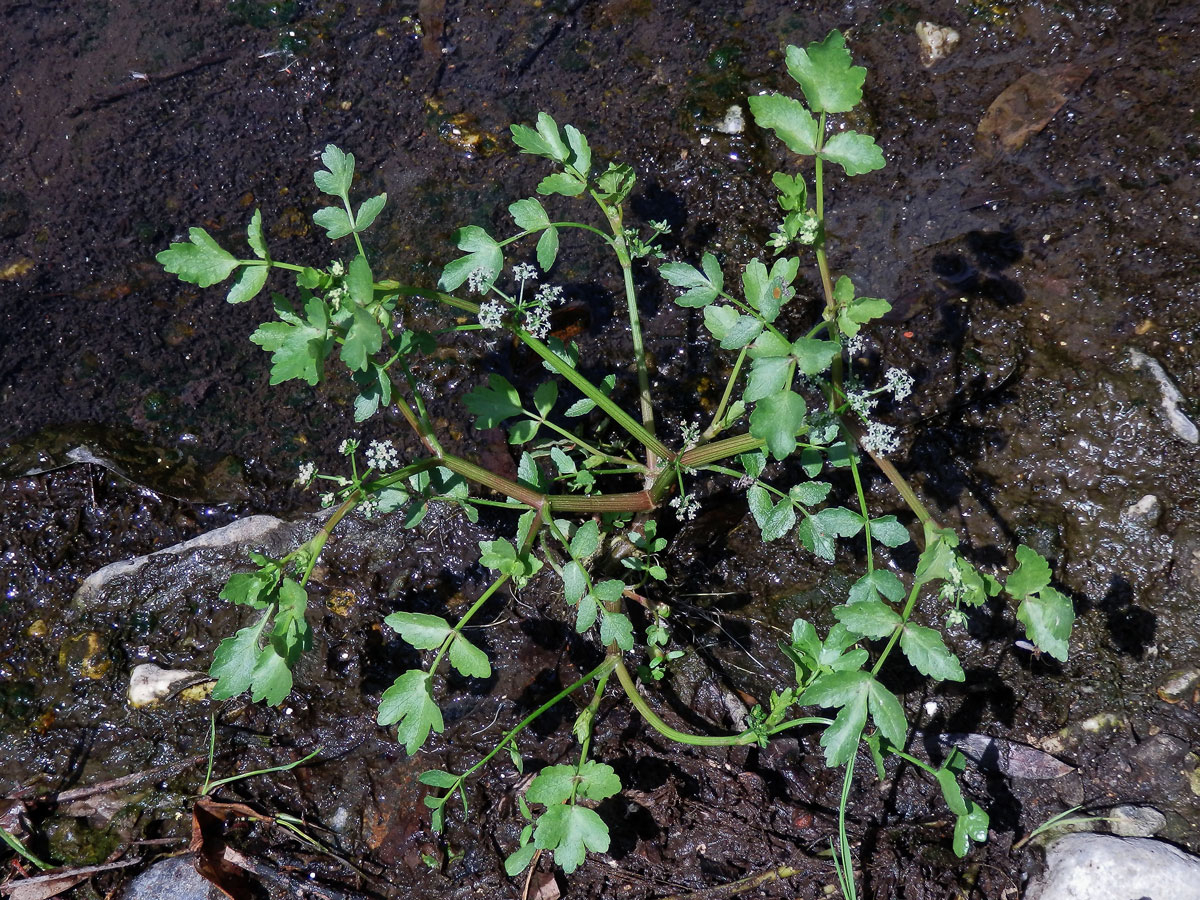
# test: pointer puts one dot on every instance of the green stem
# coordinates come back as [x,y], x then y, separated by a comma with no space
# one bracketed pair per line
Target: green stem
[466,617]
[682,737]
[904,616]
[589,390]
[843,838]
[603,669]
[714,428]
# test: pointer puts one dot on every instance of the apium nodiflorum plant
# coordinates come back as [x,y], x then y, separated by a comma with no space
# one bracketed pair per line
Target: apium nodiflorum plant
[790,395]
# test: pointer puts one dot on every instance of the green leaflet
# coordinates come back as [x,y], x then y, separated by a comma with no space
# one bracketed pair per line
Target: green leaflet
[825,74]
[483,253]
[791,122]
[409,703]
[297,344]
[201,261]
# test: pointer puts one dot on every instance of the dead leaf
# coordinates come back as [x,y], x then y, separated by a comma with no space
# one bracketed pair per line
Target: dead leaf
[1007,757]
[42,887]
[1026,106]
[208,843]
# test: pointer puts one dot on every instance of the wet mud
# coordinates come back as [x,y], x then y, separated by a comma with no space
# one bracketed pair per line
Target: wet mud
[1025,258]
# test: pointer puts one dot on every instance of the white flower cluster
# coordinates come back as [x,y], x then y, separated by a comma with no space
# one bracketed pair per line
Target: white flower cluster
[690,435]
[881,439]
[525,272]
[549,295]
[491,314]
[336,269]
[307,471]
[337,296]
[347,446]
[686,506]
[899,382]
[381,456]
[537,321]
[861,403]
[808,228]
[480,280]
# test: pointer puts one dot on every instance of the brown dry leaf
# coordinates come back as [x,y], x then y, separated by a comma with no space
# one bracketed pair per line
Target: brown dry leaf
[1026,106]
[43,887]
[208,843]
[544,887]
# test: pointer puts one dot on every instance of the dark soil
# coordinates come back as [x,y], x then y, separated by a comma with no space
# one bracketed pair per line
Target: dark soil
[1020,279]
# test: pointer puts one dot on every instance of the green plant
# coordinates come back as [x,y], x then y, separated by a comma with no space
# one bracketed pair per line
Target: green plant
[593,479]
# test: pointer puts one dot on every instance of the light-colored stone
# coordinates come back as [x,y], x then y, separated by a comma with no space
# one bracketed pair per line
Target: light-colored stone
[936,42]
[1144,513]
[1105,867]
[1183,427]
[1136,821]
[734,121]
[149,684]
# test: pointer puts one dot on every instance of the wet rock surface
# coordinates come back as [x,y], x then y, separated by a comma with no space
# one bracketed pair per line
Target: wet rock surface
[1103,867]
[1022,279]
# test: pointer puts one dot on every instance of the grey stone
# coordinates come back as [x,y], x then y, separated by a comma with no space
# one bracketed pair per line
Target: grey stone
[1136,821]
[1105,867]
[171,879]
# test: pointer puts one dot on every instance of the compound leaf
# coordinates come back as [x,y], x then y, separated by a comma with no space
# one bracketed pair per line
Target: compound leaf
[271,679]
[529,214]
[297,347]
[768,375]
[561,183]
[1031,575]
[335,220]
[233,662]
[248,284]
[517,861]
[840,739]
[581,153]
[615,628]
[814,356]
[887,713]
[363,339]
[254,236]
[369,211]
[889,532]
[547,249]
[1048,617]
[702,287]
[482,253]
[495,403]
[574,583]
[870,618]
[409,703]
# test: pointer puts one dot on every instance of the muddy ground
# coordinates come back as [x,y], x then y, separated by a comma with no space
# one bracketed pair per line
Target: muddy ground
[1022,277]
